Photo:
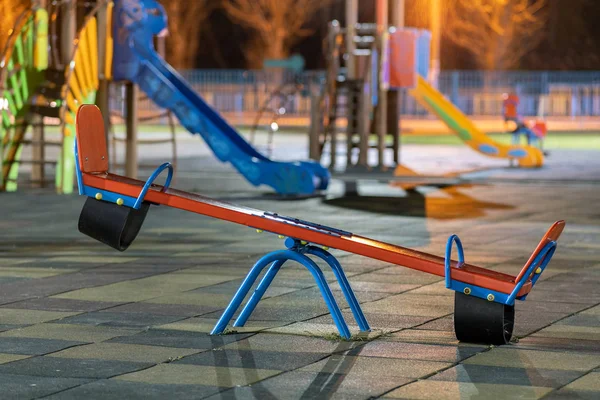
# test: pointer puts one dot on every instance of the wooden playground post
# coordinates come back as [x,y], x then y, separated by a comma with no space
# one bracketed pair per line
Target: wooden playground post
[37,140]
[102,95]
[380,126]
[396,19]
[131,114]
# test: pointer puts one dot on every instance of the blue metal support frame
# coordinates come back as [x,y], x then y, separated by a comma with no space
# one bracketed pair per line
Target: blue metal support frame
[534,271]
[297,251]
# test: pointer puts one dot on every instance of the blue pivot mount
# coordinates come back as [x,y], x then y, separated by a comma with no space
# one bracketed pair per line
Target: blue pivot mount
[296,251]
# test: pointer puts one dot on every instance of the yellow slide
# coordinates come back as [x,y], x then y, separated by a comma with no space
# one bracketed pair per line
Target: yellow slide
[436,103]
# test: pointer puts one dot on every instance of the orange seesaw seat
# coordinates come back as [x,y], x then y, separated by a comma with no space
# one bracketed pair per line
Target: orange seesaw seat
[93,162]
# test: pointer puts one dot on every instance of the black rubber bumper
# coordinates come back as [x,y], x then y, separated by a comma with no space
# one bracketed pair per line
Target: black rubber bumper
[111,224]
[477,320]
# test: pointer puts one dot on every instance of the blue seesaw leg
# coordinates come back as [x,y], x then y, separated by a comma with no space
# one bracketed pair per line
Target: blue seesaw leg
[344,284]
[284,255]
[244,288]
[258,293]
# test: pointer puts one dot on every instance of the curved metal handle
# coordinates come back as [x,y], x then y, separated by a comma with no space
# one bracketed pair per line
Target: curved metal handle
[448,261]
[157,171]
[541,261]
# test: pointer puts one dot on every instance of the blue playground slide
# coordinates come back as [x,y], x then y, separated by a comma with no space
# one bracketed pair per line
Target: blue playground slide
[135,23]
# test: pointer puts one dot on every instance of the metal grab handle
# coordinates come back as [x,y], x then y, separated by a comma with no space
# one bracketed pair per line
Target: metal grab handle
[151,179]
[447,261]
[543,257]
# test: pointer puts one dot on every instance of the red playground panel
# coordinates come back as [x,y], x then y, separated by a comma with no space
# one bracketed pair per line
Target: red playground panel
[403,60]
[540,129]
[117,205]
[510,104]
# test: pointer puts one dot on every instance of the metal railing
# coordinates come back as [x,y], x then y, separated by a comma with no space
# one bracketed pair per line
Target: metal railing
[476,93]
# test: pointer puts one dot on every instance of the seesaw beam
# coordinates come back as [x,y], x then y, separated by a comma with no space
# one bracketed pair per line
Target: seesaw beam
[117,205]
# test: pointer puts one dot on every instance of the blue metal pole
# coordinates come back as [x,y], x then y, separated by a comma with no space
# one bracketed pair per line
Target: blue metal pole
[258,293]
[344,284]
[244,288]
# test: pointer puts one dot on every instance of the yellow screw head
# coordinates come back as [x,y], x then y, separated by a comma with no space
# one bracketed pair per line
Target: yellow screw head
[120,201]
[98,196]
[467,291]
[259,231]
[281,237]
[538,270]
[490,297]
[325,248]
[303,242]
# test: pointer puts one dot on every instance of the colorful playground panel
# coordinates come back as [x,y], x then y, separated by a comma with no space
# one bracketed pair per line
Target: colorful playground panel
[117,205]
[459,123]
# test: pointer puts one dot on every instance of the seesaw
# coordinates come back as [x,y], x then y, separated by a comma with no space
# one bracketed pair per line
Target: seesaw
[116,207]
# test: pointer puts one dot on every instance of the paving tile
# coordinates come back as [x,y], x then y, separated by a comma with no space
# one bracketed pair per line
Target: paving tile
[589,382]
[24,317]
[275,342]
[507,376]
[327,331]
[6,358]
[415,351]
[440,324]
[125,352]
[27,387]
[376,366]
[66,305]
[280,313]
[567,394]
[526,323]
[91,277]
[34,346]
[582,319]
[206,325]
[296,385]
[7,327]
[183,310]
[181,374]
[423,336]
[437,390]
[571,332]
[558,344]
[517,358]
[592,311]
[379,321]
[405,279]
[251,359]
[125,320]
[79,333]
[194,298]
[406,304]
[71,367]
[178,338]
[112,389]
[145,288]
[22,271]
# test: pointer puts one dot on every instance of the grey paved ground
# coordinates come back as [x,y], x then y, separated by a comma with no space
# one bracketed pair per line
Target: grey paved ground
[79,320]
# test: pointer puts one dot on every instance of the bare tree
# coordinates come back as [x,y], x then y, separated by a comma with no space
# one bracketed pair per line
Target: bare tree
[278,25]
[186,19]
[9,11]
[498,32]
